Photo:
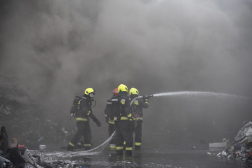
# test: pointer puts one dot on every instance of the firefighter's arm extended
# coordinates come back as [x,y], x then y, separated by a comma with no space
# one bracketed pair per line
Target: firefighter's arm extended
[92,116]
[144,102]
[86,109]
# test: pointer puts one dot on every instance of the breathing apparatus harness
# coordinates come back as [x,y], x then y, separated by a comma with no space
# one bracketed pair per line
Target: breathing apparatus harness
[76,103]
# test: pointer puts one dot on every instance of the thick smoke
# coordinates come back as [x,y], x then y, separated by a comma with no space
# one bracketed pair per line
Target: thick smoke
[56,49]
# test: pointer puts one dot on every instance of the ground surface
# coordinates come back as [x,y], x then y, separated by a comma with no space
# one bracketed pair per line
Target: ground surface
[161,156]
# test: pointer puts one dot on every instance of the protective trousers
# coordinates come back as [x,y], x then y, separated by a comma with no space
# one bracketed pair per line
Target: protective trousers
[83,129]
[124,133]
[138,134]
[111,129]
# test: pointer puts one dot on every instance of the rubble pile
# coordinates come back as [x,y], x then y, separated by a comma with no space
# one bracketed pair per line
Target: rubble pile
[24,121]
[241,147]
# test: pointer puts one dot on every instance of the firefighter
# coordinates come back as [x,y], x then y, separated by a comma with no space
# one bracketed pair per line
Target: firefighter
[109,116]
[137,112]
[124,122]
[82,115]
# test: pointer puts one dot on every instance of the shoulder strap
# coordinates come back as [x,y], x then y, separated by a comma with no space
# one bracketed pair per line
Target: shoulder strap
[122,100]
[109,101]
[81,98]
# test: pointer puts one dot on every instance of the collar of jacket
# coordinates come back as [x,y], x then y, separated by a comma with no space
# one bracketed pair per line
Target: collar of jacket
[122,93]
[87,98]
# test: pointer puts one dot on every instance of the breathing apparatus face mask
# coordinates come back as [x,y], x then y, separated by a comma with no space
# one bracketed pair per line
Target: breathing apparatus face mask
[91,95]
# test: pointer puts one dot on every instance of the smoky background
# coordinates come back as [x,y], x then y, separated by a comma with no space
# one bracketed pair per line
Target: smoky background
[53,50]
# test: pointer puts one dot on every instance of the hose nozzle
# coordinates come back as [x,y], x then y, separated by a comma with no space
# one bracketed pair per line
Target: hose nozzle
[145,97]
[148,96]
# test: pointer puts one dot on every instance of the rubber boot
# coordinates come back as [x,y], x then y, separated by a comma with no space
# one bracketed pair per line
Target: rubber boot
[119,152]
[128,153]
[112,147]
[124,145]
[87,147]
[137,148]
[119,159]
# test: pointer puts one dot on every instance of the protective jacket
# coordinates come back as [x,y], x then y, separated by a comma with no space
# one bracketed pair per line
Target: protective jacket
[115,107]
[108,112]
[112,111]
[124,112]
[137,108]
[84,110]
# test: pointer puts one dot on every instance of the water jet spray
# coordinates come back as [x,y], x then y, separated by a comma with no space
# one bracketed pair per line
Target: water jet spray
[191,93]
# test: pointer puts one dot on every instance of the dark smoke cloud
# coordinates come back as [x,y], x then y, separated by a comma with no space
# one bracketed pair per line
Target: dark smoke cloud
[56,49]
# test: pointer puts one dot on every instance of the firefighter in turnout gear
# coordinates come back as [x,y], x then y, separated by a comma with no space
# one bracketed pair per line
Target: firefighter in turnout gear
[124,121]
[137,112]
[109,116]
[82,115]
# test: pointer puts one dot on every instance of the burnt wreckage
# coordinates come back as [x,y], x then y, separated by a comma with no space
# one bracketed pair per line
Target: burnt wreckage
[241,148]
[26,126]
[26,130]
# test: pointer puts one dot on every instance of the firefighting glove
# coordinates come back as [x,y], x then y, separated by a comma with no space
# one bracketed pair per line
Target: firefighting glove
[146,99]
[98,123]
[72,114]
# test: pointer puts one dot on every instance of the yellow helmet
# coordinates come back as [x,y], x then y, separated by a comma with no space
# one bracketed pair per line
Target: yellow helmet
[133,91]
[88,91]
[122,88]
